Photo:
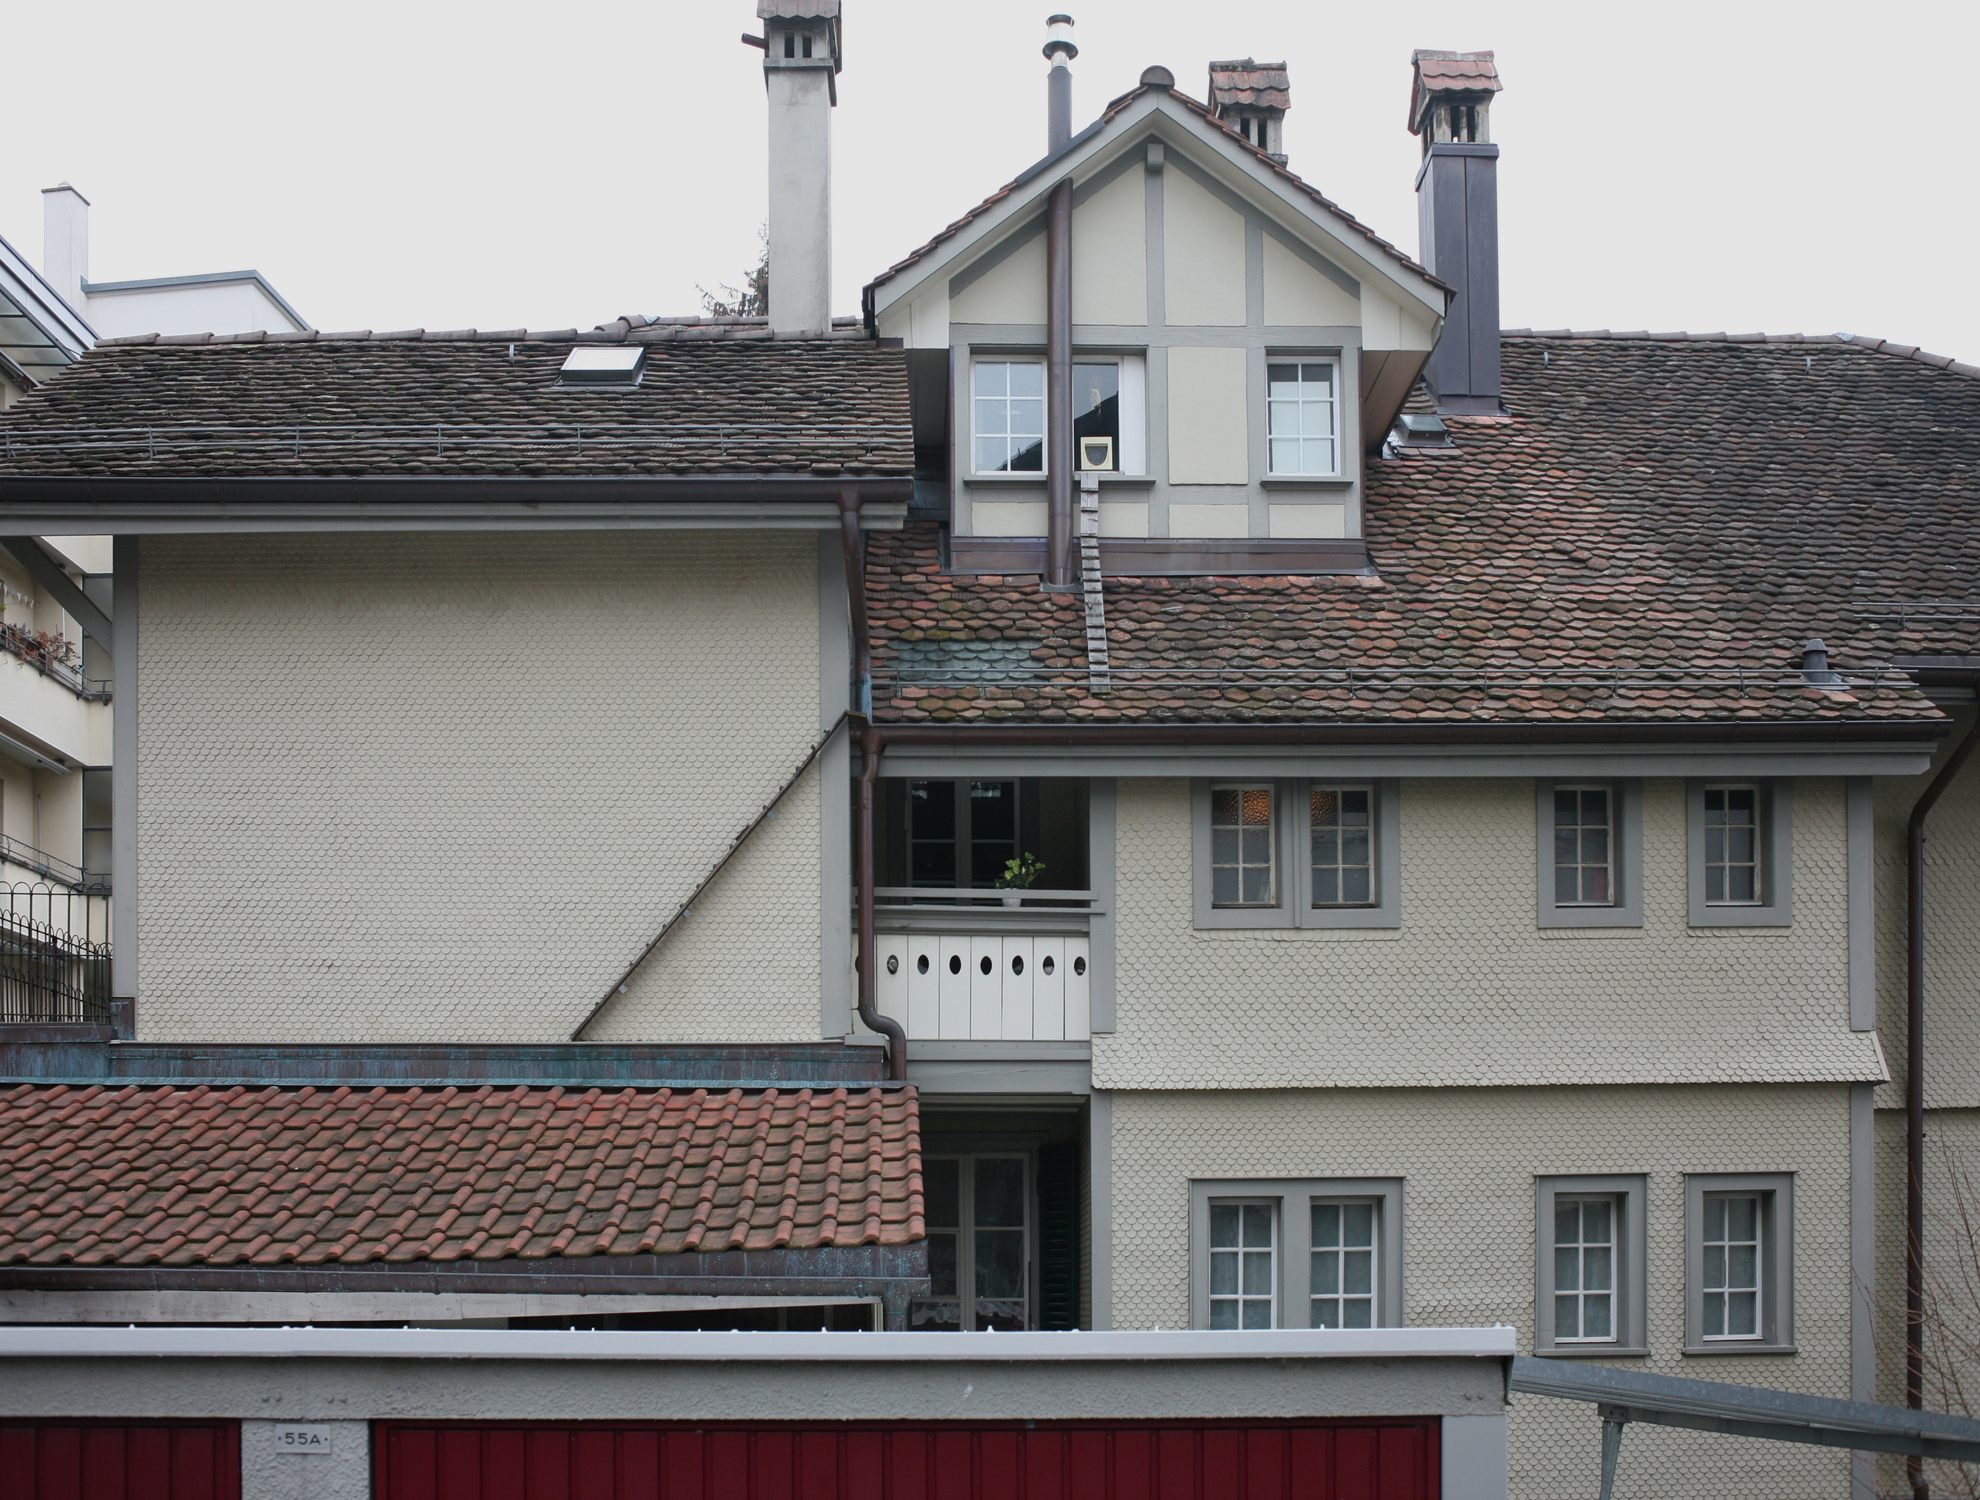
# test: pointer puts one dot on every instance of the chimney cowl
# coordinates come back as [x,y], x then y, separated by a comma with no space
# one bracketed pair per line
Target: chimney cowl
[1252,98]
[1059,45]
[1463,84]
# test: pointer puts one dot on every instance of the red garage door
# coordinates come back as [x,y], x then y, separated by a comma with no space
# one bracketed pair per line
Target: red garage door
[885,1461]
[120,1461]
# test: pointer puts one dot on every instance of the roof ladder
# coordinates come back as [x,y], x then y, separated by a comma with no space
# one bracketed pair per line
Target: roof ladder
[1097,666]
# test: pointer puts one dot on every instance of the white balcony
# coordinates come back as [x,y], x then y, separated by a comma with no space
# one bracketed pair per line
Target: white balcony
[964,966]
[50,709]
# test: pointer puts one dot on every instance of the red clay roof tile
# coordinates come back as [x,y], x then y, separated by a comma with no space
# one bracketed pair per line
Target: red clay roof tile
[229,1176]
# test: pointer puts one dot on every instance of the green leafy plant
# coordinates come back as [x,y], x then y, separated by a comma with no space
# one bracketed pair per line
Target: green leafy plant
[1021,874]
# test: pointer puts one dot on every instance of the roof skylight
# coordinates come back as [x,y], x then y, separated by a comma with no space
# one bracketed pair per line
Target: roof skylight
[604,364]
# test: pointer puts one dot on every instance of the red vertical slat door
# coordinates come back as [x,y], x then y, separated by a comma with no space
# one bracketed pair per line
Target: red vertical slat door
[1281,1460]
[120,1461]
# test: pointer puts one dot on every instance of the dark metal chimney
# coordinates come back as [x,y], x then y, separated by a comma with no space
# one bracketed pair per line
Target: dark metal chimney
[1457,207]
[1060,50]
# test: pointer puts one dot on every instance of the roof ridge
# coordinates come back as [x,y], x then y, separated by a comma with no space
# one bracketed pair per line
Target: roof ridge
[1680,336]
[685,328]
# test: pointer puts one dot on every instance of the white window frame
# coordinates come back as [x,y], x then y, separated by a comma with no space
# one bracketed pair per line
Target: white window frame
[1775,1263]
[1580,1247]
[1300,404]
[1273,1212]
[1274,867]
[1340,1296]
[1374,830]
[1293,1201]
[1131,457]
[1725,865]
[976,363]
[1625,908]
[1725,1244]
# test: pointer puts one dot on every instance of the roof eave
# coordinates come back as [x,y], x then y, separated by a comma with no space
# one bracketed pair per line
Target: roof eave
[1881,732]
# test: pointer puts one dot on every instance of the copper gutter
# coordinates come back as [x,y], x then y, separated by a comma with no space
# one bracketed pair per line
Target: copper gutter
[853,545]
[1914,1087]
[1059,444]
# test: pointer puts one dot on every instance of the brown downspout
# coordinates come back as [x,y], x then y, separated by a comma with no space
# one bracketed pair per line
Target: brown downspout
[868,980]
[1059,445]
[1914,1089]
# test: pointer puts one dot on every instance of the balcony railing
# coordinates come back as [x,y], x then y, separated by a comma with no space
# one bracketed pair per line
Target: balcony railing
[977,965]
[52,656]
[54,956]
[52,866]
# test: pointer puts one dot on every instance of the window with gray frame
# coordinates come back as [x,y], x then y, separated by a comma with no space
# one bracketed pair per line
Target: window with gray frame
[1297,853]
[1740,853]
[1590,853]
[1300,1253]
[1590,1295]
[1302,417]
[978,1243]
[1739,1263]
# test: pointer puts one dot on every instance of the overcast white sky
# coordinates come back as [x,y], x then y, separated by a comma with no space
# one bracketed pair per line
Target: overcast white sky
[1742,164]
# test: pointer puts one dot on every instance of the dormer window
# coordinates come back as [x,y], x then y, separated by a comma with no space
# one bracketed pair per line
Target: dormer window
[1008,415]
[1302,418]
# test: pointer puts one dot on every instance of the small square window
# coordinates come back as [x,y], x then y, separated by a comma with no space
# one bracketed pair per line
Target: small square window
[1302,420]
[1740,848]
[1739,1263]
[1590,1296]
[1296,1253]
[1243,852]
[1008,416]
[1590,853]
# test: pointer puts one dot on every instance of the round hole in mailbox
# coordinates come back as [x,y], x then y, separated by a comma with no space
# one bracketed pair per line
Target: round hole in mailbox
[893,963]
[921,964]
[955,963]
[984,964]
[1048,964]
[1079,966]
[1017,963]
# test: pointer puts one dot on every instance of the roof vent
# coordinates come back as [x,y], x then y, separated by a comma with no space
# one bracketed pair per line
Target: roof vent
[604,364]
[1420,429]
[1815,668]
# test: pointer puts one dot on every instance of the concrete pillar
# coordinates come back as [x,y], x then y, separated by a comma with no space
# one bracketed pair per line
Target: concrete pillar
[65,241]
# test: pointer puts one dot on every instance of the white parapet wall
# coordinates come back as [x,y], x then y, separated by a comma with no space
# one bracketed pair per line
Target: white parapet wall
[306,1397]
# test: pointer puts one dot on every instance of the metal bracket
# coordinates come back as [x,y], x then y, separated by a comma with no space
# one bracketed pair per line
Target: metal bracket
[1612,1433]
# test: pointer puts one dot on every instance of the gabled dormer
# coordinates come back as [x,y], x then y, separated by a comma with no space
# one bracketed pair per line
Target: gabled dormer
[1233,344]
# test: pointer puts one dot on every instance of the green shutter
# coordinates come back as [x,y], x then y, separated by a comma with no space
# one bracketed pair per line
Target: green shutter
[1058,1236]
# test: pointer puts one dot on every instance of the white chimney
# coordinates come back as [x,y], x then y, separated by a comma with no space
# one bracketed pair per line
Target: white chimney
[65,241]
[802,55]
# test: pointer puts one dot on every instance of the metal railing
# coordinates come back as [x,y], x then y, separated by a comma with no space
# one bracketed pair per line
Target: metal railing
[52,656]
[52,866]
[54,956]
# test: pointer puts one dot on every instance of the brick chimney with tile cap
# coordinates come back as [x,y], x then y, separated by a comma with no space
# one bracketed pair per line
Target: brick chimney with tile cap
[803,52]
[1252,98]
[1457,209]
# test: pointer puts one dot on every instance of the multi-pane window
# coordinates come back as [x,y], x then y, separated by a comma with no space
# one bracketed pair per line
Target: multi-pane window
[1731,1271]
[1301,417]
[1243,859]
[1585,1270]
[978,1262]
[1008,401]
[1733,873]
[1343,1264]
[1243,1265]
[1342,826]
[1584,846]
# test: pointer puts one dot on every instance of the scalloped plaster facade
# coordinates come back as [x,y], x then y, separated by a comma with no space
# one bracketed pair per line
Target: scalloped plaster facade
[1469,990]
[1468,1158]
[445,788]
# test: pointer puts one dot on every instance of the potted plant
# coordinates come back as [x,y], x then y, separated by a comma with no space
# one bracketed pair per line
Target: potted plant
[1020,874]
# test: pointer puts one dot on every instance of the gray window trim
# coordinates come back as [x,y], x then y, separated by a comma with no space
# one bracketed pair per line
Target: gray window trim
[1294,907]
[1776,1190]
[1631,1272]
[1776,905]
[1294,1240]
[1626,798]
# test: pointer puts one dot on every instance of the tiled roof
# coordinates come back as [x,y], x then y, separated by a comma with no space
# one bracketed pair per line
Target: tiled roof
[1209,118]
[1243,81]
[720,397]
[1652,535]
[259,1176]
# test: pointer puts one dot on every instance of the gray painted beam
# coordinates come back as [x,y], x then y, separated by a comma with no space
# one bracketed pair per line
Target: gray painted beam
[1100,1187]
[1526,762]
[124,647]
[1861,822]
[1863,1269]
[49,574]
[1101,876]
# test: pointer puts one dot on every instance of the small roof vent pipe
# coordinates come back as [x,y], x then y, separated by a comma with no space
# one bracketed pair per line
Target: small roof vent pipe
[1060,50]
[1815,668]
